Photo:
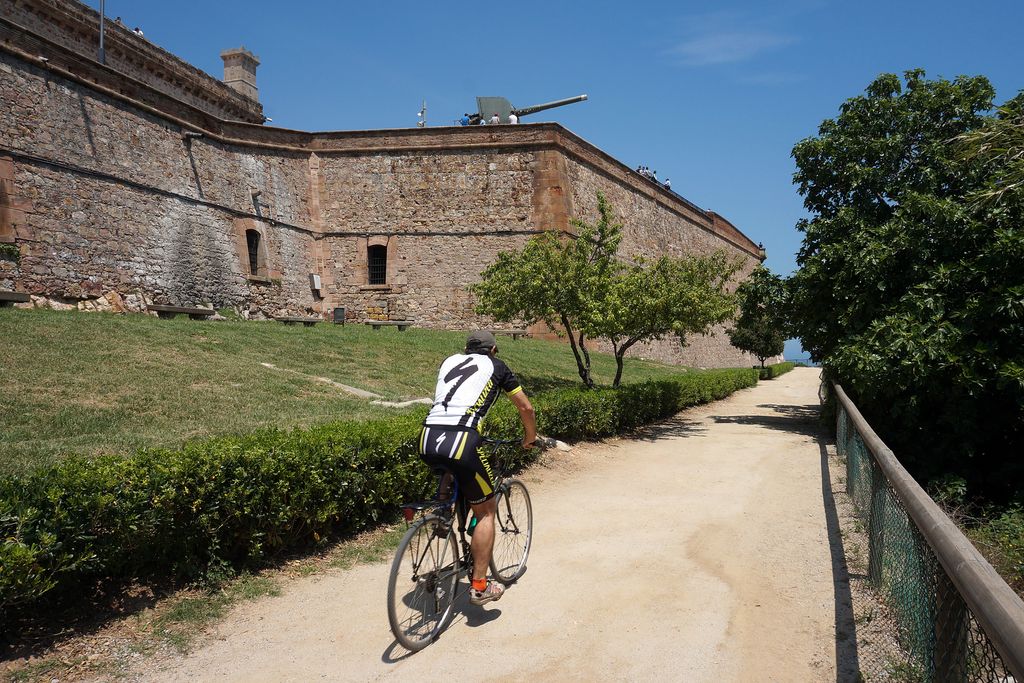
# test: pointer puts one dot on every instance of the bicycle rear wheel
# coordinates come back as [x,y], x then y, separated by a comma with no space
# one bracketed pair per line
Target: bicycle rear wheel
[513,532]
[422,583]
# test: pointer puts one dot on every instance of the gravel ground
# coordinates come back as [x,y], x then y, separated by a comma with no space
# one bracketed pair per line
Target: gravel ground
[706,548]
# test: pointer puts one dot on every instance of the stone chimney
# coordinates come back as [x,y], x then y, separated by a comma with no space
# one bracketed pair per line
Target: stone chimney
[240,71]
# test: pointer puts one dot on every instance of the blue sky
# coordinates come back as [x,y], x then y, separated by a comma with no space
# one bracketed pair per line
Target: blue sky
[711,96]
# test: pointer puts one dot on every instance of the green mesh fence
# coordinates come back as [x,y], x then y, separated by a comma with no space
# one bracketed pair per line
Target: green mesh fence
[939,638]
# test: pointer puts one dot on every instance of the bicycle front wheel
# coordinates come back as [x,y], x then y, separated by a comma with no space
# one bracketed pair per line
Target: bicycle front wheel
[422,583]
[513,532]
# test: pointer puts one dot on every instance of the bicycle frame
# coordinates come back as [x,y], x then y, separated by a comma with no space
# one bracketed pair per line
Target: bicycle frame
[420,610]
[456,508]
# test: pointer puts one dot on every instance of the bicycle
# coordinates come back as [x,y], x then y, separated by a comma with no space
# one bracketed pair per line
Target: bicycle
[430,559]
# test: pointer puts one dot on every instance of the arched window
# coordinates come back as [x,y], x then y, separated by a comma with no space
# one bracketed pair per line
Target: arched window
[377,264]
[257,261]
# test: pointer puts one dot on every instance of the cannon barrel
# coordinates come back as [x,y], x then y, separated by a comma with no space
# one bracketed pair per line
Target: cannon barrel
[523,111]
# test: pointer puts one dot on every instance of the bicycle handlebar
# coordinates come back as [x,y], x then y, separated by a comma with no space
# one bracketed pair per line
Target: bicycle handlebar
[542,442]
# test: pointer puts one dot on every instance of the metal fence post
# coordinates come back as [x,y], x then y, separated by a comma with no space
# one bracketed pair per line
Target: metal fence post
[876,525]
[951,629]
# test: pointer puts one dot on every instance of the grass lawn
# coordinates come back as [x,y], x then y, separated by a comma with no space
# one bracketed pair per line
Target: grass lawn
[95,383]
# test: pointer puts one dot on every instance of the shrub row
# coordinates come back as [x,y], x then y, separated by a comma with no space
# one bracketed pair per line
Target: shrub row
[576,414]
[773,371]
[236,500]
[225,500]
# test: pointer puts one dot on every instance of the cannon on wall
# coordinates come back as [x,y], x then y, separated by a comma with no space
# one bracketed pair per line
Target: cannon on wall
[486,107]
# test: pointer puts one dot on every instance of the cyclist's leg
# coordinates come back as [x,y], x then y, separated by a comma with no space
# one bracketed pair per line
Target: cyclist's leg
[458,450]
[482,544]
[477,484]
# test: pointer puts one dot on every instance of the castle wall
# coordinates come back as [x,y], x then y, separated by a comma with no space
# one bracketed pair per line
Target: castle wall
[442,214]
[431,276]
[656,223]
[121,196]
[437,191]
[116,200]
[37,25]
[652,224]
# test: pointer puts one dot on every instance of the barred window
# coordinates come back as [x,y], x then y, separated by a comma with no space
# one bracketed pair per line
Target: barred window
[377,264]
[252,241]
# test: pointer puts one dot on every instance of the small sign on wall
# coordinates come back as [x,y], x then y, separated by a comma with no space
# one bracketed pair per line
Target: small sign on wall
[314,282]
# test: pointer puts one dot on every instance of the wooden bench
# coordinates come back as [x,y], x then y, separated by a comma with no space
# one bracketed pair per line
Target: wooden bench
[169,312]
[515,334]
[400,324]
[308,322]
[11,298]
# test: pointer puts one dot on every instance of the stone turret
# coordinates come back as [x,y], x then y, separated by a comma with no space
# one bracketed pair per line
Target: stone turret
[240,71]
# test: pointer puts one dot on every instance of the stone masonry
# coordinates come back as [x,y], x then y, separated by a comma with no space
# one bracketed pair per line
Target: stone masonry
[147,181]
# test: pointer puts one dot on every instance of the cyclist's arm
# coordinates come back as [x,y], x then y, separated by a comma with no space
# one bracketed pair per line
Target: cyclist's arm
[527,415]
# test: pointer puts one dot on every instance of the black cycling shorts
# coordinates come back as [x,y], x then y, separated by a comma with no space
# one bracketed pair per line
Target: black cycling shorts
[456,449]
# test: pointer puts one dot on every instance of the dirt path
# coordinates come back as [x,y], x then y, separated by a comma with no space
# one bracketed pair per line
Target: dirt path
[698,552]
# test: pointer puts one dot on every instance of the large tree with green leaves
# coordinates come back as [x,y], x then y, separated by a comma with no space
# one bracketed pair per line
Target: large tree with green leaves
[910,287]
[646,301]
[999,146]
[555,279]
[761,327]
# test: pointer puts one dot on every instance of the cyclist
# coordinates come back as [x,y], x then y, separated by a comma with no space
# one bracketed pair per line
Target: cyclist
[467,386]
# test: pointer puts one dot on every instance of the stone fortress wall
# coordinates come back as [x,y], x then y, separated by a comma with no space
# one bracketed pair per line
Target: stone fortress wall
[132,60]
[137,182]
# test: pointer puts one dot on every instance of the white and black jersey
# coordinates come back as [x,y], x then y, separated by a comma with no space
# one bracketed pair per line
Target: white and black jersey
[467,386]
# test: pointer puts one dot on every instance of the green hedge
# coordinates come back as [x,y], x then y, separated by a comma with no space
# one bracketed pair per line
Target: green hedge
[235,500]
[773,371]
[575,414]
[226,500]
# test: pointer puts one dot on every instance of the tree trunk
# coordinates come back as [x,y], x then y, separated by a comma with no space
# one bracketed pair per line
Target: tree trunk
[618,368]
[584,370]
[620,359]
[586,355]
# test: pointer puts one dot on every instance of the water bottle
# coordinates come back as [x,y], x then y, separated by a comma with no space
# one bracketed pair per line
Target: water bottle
[472,526]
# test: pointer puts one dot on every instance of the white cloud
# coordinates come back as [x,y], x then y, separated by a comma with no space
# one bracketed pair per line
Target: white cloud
[726,38]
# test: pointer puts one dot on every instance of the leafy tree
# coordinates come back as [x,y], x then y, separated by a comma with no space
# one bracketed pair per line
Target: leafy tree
[648,301]
[575,282]
[887,150]
[910,288]
[999,145]
[555,279]
[761,326]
